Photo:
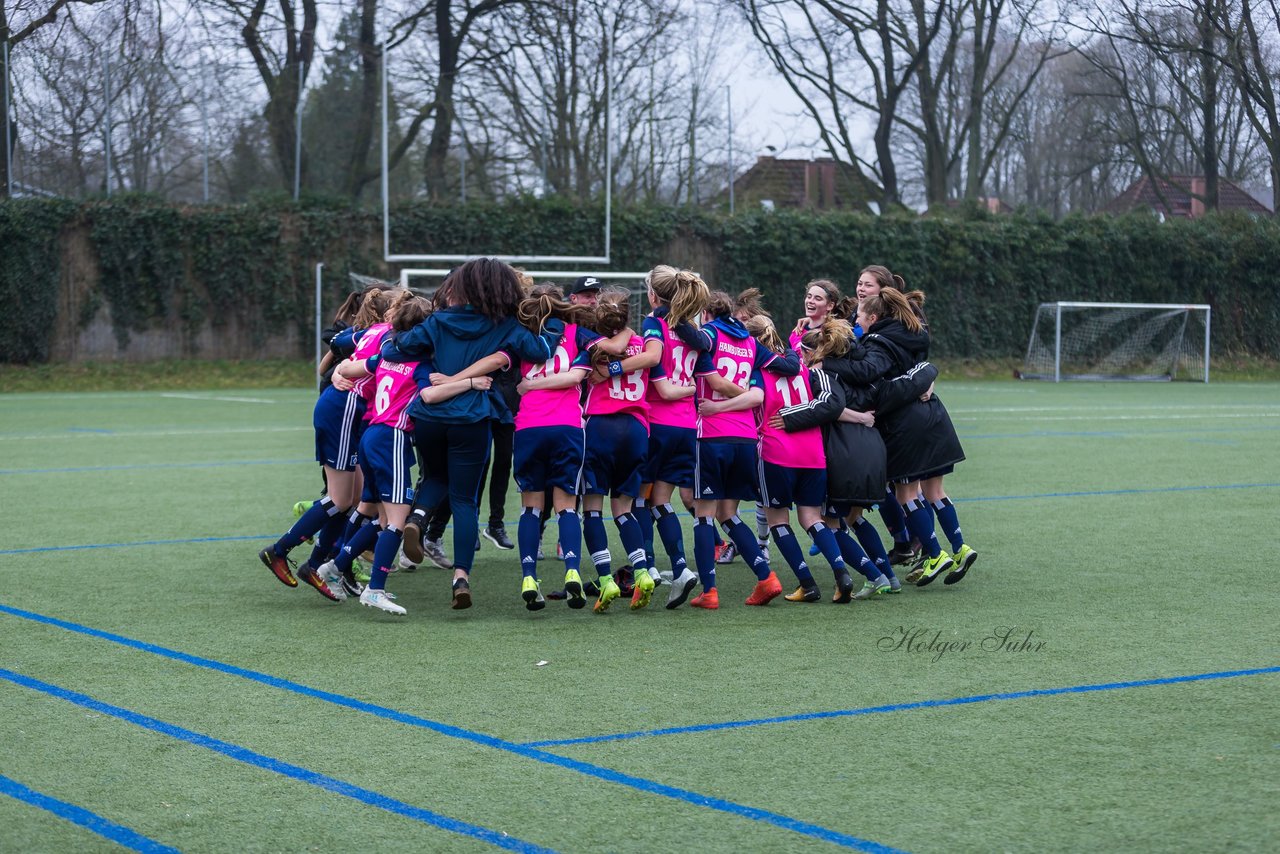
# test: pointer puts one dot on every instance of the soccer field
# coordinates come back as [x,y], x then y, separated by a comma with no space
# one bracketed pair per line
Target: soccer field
[1107,677]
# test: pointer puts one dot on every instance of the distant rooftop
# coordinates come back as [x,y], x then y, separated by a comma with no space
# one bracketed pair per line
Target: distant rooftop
[1178,195]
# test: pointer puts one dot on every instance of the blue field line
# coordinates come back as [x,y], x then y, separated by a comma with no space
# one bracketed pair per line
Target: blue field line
[1094,493]
[296,772]
[902,707]
[89,430]
[596,771]
[119,834]
[267,537]
[225,464]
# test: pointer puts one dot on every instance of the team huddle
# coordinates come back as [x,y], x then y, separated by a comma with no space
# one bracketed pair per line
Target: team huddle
[705,403]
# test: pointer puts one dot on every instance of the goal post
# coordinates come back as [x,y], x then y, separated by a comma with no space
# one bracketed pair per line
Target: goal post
[1115,341]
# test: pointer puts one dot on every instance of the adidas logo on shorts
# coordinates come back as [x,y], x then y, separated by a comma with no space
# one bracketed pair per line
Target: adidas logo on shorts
[706,490]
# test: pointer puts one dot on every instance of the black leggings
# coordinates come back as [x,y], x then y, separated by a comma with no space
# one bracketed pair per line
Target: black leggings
[452,459]
[503,434]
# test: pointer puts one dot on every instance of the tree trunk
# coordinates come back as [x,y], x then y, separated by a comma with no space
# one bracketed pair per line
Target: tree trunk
[434,162]
[1209,105]
[370,61]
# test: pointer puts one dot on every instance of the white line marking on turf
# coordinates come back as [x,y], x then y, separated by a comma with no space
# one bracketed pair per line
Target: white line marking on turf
[1190,407]
[227,399]
[150,433]
[1205,416]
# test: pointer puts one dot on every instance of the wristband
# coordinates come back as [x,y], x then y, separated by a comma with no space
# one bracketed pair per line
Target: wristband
[615,368]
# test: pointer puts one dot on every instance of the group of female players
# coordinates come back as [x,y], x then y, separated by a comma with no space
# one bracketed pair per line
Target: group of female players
[704,400]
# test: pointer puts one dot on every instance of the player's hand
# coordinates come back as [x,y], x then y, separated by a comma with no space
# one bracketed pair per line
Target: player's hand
[802,325]
[776,422]
[440,379]
[481,383]
[341,383]
[708,407]
[524,387]
[928,393]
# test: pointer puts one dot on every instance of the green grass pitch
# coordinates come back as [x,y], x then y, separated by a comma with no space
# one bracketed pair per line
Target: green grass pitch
[1128,529]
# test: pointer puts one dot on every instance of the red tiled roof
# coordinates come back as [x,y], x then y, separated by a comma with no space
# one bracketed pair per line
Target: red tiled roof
[1176,196]
[824,184]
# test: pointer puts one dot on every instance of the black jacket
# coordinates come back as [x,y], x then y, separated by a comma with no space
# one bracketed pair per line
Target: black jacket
[888,349]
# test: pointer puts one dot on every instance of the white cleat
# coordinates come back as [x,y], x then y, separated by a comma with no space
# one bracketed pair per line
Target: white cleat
[380,599]
[329,574]
[681,586]
[404,563]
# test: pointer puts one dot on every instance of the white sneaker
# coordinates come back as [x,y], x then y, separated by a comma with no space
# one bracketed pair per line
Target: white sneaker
[380,599]
[404,563]
[657,576]
[329,574]
[666,576]
[435,553]
[681,586]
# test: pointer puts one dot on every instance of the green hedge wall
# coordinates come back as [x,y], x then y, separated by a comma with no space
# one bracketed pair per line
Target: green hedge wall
[161,264]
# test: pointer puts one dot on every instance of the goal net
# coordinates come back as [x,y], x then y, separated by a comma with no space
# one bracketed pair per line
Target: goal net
[425,282]
[1118,341]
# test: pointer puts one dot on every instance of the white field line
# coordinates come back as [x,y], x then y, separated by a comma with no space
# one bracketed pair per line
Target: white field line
[226,399]
[146,434]
[1189,407]
[1203,416]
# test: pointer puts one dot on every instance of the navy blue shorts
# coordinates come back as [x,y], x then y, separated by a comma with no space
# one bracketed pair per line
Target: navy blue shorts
[543,457]
[386,458]
[617,446]
[929,475]
[783,486]
[339,420]
[672,455]
[726,470]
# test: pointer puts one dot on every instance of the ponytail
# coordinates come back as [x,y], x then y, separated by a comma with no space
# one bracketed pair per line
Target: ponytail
[761,326]
[683,292]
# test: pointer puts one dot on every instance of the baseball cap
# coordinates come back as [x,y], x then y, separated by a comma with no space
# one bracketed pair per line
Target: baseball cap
[585,283]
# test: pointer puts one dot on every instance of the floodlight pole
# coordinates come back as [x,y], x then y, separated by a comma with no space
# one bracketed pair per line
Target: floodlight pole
[8,138]
[386,191]
[106,82]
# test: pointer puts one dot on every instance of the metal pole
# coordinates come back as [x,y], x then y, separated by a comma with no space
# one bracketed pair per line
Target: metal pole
[297,139]
[728,101]
[106,82]
[1057,346]
[8,132]
[608,145]
[1208,312]
[319,321]
[204,124]
[386,187]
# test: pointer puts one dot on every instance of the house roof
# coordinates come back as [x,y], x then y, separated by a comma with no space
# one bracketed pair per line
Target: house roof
[1176,196]
[822,183]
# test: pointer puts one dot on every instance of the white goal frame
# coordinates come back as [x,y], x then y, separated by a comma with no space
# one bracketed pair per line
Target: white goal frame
[635,282]
[1057,332]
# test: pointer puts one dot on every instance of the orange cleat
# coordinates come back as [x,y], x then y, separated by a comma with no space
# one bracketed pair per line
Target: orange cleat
[279,566]
[709,599]
[765,591]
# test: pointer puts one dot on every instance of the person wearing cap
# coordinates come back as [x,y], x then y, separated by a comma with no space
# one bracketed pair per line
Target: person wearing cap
[585,291]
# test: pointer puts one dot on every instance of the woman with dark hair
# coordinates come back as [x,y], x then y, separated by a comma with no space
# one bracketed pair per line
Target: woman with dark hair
[474,317]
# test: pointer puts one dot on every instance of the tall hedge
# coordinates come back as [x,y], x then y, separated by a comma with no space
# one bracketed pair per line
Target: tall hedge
[161,264]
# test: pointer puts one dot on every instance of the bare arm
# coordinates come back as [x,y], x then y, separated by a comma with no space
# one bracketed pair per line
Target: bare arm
[487,365]
[715,382]
[439,393]
[568,379]
[867,419]
[746,400]
[668,390]
[617,345]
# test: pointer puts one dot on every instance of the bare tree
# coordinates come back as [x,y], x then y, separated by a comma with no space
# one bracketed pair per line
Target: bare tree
[1250,52]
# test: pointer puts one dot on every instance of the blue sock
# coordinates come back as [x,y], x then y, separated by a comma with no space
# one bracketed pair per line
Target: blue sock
[356,546]
[895,520]
[631,536]
[644,519]
[570,538]
[825,542]
[869,537]
[854,555]
[597,540]
[950,522]
[383,553]
[785,538]
[316,517]
[325,539]
[528,532]
[672,534]
[920,523]
[355,520]
[744,538]
[704,551]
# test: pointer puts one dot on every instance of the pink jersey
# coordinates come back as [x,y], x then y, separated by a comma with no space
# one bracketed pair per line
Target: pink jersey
[623,393]
[796,337]
[394,389]
[734,359]
[559,407]
[678,361]
[370,344]
[801,449]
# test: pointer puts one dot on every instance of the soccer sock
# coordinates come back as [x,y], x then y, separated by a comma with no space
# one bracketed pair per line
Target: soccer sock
[744,539]
[920,523]
[325,540]
[316,517]
[869,538]
[383,553]
[854,555]
[895,521]
[672,534]
[528,533]
[355,520]
[762,525]
[785,537]
[644,519]
[570,538]
[597,540]
[631,536]
[826,543]
[704,551]
[950,522]
[360,541]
